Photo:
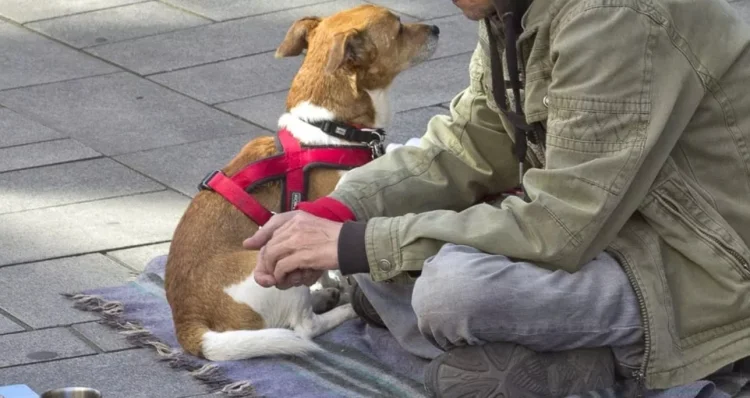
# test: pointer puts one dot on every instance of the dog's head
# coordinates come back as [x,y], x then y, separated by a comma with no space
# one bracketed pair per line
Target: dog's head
[369,42]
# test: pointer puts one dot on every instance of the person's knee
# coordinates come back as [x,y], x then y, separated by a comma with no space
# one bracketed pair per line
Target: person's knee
[445,307]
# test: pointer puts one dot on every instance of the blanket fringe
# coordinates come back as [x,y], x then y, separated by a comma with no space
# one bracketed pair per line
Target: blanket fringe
[209,374]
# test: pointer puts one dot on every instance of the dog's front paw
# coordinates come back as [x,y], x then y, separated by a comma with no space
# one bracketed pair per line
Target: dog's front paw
[324,300]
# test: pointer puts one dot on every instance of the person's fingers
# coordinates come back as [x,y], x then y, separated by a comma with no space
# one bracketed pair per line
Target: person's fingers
[309,277]
[293,279]
[287,266]
[263,235]
[262,275]
[277,248]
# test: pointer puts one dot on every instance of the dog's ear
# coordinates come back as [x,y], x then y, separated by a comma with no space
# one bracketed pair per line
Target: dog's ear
[348,48]
[296,38]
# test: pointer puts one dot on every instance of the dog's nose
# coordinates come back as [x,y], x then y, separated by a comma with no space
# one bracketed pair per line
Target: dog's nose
[435,30]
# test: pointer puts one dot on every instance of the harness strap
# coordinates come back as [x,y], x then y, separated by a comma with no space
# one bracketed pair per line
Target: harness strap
[291,166]
[237,196]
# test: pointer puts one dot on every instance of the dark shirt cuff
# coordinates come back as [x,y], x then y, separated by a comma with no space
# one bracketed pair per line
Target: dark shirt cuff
[351,250]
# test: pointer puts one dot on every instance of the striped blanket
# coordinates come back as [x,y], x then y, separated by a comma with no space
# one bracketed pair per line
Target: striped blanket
[359,361]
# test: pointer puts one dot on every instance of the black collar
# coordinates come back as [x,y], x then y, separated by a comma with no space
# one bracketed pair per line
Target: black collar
[374,138]
[349,132]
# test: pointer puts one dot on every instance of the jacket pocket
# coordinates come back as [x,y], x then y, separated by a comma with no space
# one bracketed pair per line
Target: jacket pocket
[694,228]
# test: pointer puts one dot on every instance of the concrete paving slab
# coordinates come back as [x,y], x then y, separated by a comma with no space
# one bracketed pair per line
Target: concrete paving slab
[103,336]
[116,24]
[43,153]
[125,374]
[216,42]
[423,9]
[15,129]
[431,83]
[263,110]
[88,227]
[37,60]
[32,292]
[230,80]
[220,10]
[70,183]
[8,326]
[182,167]
[23,11]
[40,345]
[122,113]
[411,124]
[458,35]
[138,257]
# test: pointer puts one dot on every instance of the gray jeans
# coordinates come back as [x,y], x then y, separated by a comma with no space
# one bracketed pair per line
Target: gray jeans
[465,296]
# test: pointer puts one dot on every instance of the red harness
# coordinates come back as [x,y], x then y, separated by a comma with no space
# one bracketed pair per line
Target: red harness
[292,166]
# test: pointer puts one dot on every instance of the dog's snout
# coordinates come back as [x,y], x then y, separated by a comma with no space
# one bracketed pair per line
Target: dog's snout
[435,30]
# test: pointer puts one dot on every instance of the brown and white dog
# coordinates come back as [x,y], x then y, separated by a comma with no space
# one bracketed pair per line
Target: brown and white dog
[219,311]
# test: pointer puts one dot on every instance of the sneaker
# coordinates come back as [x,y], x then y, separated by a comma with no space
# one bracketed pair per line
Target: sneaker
[364,309]
[505,370]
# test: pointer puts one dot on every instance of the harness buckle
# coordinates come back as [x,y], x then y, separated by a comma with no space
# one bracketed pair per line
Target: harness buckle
[376,145]
[204,182]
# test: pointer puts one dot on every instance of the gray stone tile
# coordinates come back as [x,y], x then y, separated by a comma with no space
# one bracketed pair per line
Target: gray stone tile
[411,124]
[116,24]
[182,167]
[37,60]
[220,10]
[31,10]
[231,80]
[458,35]
[43,153]
[70,183]
[92,226]
[103,336]
[125,374]
[263,110]
[8,326]
[15,129]
[32,292]
[216,42]
[423,9]
[40,345]
[138,257]
[431,83]
[122,113]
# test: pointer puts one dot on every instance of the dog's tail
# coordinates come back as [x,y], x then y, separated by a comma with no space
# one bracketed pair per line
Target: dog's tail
[244,344]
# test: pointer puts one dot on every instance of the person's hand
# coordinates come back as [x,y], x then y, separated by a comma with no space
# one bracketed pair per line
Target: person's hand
[295,249]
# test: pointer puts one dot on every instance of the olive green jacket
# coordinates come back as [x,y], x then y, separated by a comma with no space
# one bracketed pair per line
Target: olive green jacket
[647,109]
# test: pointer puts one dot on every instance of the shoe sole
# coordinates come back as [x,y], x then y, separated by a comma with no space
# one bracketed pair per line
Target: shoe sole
[504,370]
[364,309]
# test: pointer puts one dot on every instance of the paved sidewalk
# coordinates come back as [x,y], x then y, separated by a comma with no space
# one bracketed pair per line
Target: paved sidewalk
[111,111]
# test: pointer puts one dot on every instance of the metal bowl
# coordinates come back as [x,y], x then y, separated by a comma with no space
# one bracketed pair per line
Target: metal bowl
[72,392]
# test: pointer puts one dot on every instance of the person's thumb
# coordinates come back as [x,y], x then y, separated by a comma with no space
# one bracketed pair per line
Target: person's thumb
[260,238]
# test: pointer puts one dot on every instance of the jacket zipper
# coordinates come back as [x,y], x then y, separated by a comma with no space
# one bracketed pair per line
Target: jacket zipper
[743,263]
[640,374]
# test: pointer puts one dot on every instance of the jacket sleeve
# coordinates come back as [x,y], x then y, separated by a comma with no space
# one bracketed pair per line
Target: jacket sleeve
[620,96]
[463,157]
